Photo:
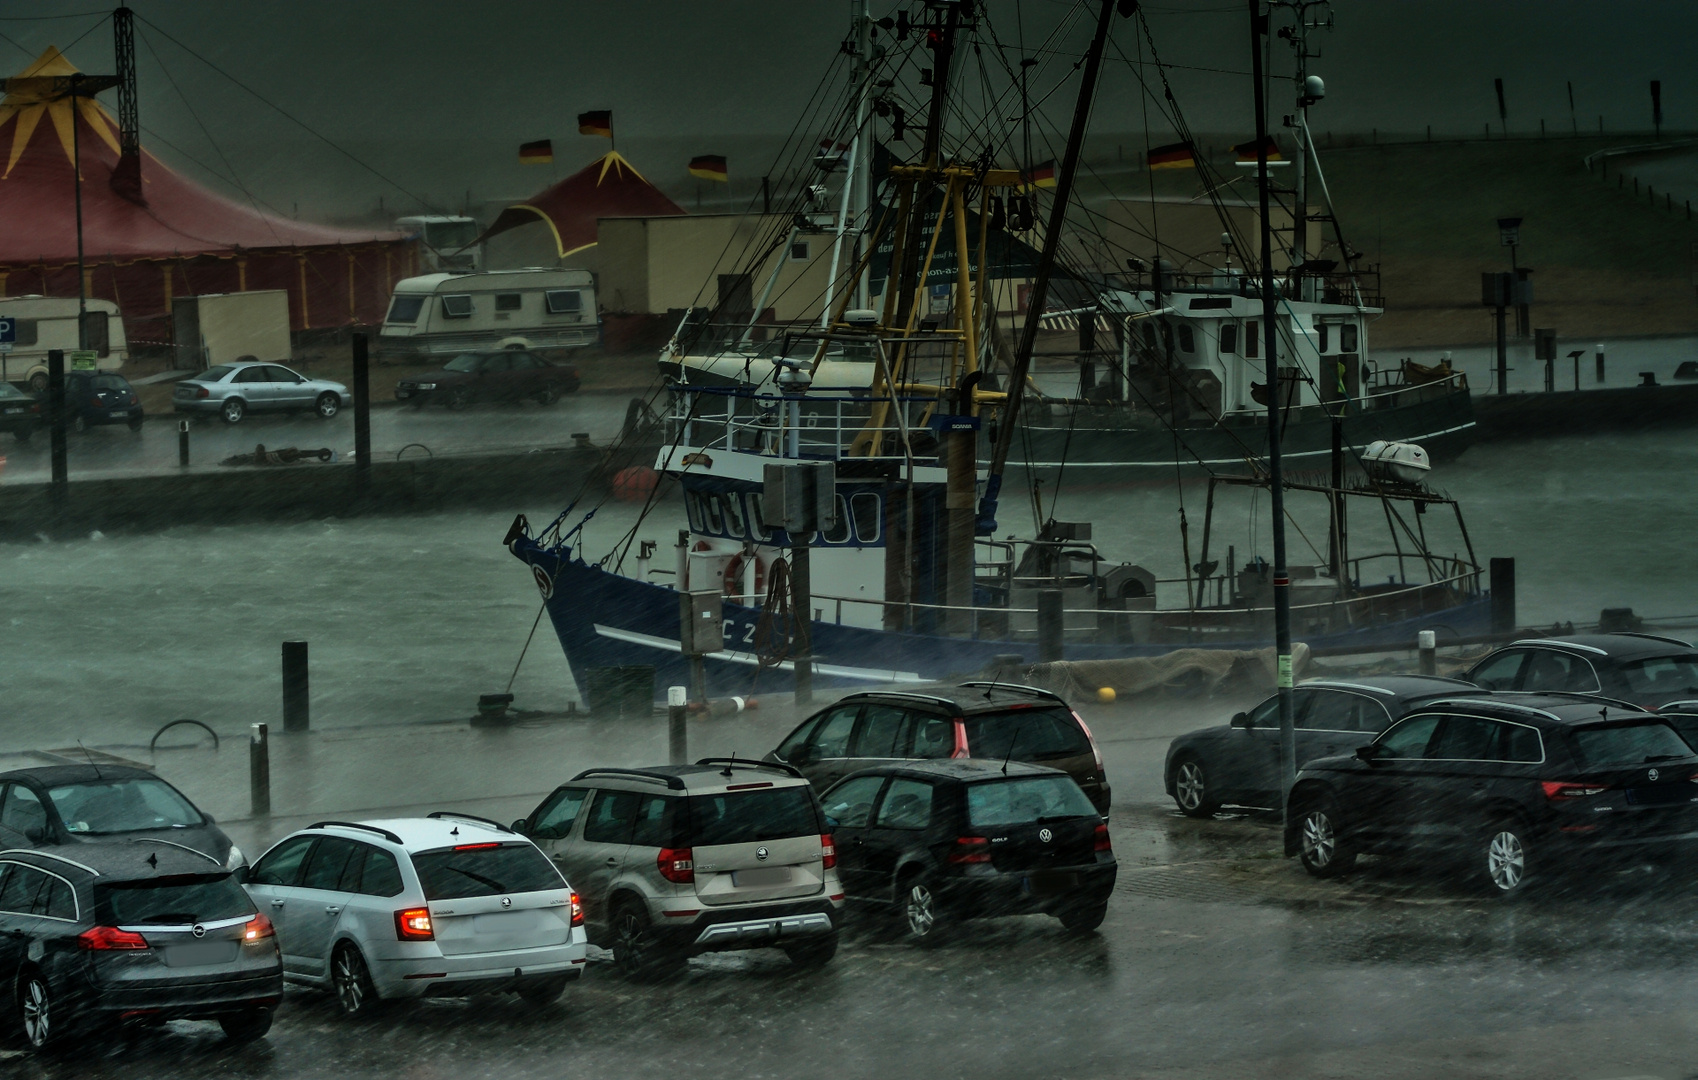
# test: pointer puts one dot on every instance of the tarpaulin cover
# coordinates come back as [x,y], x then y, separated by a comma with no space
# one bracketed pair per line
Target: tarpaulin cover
[606,187]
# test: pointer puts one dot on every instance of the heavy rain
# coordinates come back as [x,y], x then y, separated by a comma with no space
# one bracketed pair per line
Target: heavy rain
[971,538]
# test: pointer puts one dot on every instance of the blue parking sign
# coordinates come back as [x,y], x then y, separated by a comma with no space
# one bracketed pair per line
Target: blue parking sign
[8,330]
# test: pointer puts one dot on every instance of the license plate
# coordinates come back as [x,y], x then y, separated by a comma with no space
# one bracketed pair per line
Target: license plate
[1051,884]
[10,412]
[760,876]
[120,414]
[200,953]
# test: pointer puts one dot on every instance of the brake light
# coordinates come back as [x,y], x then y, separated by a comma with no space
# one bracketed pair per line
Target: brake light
[577,911]
[201,391]
[961,750]
[970,849]
[475,847]
[259,927]
[105,938]
[134,399]
[413,924]
[1101,840]
[1567,789]
[1092,739]
[828,851]
[676,865]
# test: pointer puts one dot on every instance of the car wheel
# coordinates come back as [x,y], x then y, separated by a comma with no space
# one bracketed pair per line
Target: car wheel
[38,382]
[233,410]
[459,398]
[1323,851]
[918,909]
[79,423]
[1191,789]
[136,424]
[1507,861]
[548,395]
[1083,918]
[543,991]
[246,1026]
[37,1018]
[350,978]
[21,434]
[813,953]
[636,953]
[328,405]
[418,401]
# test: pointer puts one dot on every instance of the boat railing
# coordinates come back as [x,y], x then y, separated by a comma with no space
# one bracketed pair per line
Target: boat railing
[1385,387]
[818,425]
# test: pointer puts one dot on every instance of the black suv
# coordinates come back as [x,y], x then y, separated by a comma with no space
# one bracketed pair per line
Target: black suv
[971,719]
[1649,671]
[1517,786]
[943,840]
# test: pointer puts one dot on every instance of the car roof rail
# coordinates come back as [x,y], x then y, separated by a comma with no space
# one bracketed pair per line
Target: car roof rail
[999,684]
[1576,695]
[173,843]
[676,783]
[50,855]
[1653,637]
[1552,643]
[385,833]
[935,698]
[734,761]
[458,816]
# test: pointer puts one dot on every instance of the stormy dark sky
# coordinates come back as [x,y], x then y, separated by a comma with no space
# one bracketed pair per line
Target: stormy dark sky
[437,95]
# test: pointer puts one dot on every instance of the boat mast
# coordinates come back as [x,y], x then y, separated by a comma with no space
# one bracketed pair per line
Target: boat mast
[852,214]
[1276,395]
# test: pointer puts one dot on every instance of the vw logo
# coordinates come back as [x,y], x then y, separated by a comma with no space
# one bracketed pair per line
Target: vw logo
[761,853]
[506,901]
[198,930]
[1652,775]
[1045,835]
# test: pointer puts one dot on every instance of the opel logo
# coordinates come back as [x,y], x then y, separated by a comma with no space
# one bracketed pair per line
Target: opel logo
[1652,775]
[506,901]
[1045,835]
[761,853]
[198,930]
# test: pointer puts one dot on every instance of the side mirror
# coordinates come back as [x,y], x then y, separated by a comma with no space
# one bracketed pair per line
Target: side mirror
[242,873]
[1368,752]
[1241,720]
[522,827]
[803,756]
[209,818]
[35,834]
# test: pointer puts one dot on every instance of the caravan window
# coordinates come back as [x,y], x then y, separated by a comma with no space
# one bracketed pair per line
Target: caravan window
[405,309]
[25,331]
[458,306]
[564,301]
[509,301]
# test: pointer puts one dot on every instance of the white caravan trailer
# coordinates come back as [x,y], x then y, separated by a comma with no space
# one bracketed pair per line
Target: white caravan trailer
[41,323]
[543,310]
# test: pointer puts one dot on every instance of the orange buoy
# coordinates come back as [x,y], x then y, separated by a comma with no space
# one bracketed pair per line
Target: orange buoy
[634,483]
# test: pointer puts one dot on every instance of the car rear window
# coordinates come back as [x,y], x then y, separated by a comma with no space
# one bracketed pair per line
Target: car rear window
[1023,800]
[214,373]
[171,901]
[1604,747]
[1026,735]
[1675,676]
[479,870]
[742,817]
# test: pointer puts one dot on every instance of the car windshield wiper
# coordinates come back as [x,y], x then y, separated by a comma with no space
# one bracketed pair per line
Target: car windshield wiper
[166,918]
[480,879]
[1664,757]
[1047,818]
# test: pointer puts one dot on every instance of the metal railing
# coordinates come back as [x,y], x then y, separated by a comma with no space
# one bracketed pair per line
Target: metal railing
[823,424]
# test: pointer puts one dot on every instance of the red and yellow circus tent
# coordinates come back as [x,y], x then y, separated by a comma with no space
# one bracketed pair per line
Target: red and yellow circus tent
[607,187]
[173,238]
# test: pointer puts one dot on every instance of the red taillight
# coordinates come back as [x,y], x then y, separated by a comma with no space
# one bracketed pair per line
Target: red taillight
[676,865]
[828,851]
[1101,841]
[970,849]
[1568,789]
[475,847]
[413,924]
[259,928]
[103,938]
[134,399]
[577,911]
[201,391]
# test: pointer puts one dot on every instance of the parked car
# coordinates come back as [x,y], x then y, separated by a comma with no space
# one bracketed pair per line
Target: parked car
[77,804]
[93,398]
[677,860]
[1649,671]
[1517,786]
[20,413]
[945,840]
[502,375]
[143,930]
[970,719]
[441,906]
[234,390]
[1238,764]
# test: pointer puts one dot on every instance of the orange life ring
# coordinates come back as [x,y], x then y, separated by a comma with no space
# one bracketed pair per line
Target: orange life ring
[733,577]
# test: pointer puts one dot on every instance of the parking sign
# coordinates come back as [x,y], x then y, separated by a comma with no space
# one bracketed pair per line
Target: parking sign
[8,331]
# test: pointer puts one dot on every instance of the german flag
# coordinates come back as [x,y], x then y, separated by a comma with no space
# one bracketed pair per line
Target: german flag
[1246,151]
[1042,176]
[540,152]
[596,123]
[1173,156]
[708,167]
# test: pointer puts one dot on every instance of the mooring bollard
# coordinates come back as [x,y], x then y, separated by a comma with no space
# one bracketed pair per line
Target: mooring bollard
[297,706]
[1050,625]
[1428,642]
[183,443]
[259,768]
[677,708]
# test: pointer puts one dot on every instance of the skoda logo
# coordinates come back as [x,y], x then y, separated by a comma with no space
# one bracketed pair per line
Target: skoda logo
[1045,835]
[761,853]
[198,930]
[506,901]
[1652,775]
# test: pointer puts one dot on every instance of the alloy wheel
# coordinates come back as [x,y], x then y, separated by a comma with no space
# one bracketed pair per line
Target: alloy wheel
[37,1012]
[328,405]
[1320,840]
[1188,785]
[349,979]
[1506,861]
[920,910]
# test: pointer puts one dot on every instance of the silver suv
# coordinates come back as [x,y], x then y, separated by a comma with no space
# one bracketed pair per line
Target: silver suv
[442,906]
[682,859]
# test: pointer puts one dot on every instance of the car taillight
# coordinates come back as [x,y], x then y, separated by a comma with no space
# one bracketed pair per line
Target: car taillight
[970,849]
[413,924]
[1568,789]
[259,928]
[104,938]
[577,910]
[1092,739]
[201,391]
[134,399]
[828,851]
[1101,841]
[676,865]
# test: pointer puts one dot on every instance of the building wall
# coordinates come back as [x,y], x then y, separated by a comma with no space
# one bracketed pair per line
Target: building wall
[656,264]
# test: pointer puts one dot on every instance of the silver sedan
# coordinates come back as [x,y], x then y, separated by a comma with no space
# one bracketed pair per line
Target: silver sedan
[234,390]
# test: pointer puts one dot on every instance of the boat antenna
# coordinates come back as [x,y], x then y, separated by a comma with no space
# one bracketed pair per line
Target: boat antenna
[985,525]
[1276,477]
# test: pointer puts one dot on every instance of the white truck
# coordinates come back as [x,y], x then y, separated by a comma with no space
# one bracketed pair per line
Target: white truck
[445,242]
[43,323]
[542,310]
